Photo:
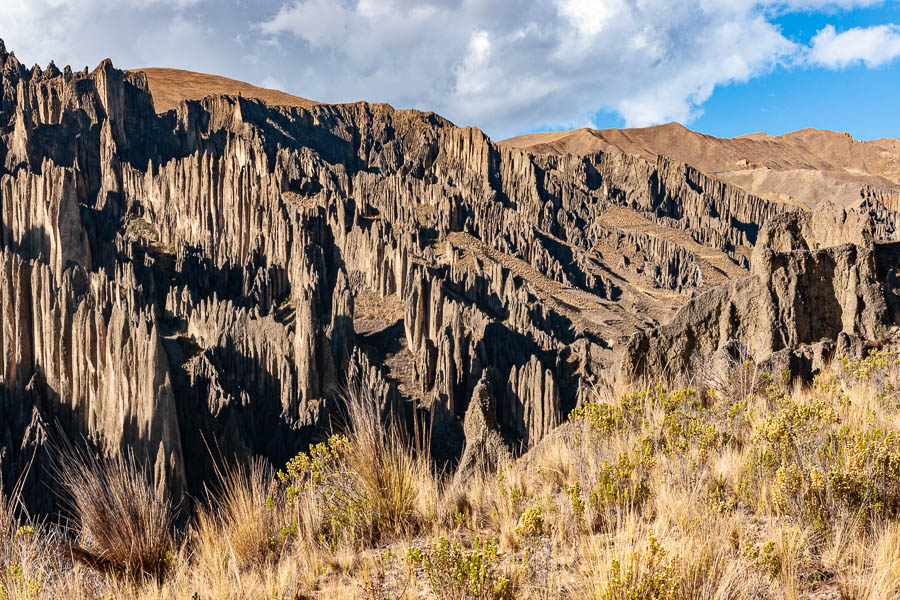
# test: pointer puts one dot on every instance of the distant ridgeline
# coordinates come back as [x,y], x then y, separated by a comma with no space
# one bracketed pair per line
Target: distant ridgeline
[216,275]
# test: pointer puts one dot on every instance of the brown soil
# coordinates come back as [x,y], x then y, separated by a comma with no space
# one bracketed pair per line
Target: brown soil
[170,87]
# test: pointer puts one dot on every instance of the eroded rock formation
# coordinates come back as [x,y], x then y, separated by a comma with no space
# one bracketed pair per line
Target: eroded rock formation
[214,276]
[814,278]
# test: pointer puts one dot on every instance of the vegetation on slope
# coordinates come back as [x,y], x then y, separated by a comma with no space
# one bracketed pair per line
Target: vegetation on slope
[740,486]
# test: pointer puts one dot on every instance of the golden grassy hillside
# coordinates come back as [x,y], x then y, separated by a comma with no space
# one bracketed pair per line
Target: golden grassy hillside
[169,87]
[740,486]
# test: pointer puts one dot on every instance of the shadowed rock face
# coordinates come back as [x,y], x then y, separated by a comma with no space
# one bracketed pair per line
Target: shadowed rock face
[212,277]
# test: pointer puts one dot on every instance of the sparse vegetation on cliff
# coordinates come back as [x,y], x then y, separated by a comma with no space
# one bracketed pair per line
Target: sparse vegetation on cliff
[749,487]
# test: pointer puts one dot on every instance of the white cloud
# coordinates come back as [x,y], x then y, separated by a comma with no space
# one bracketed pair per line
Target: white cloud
[503,65]
[872,46]
[515,64]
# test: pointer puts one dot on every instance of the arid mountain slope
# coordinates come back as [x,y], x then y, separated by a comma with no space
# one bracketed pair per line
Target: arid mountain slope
[169,87]
[218,272]
[804,168]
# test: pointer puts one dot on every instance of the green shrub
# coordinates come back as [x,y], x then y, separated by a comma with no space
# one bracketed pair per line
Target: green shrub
[623,484]
[367,484]
[531,523]
[573,491]
[879,372]
[600,418]
[646,574]
[459,574]
[817,470]
[763,557]
[686,424]
[323,476]
[15,584]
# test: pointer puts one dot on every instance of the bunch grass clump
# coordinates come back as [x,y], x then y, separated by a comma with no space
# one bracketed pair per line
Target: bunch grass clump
[121,521]
[359,487]
[234,525]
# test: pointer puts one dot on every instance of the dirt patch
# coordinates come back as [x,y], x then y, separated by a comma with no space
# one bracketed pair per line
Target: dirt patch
[170,87]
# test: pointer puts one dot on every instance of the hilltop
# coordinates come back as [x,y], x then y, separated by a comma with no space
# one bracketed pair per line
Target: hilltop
[803,168]
[170,87]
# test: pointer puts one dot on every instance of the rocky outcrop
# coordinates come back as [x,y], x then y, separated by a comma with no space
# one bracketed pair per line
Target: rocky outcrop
[828,225]
[88,357]
[485,449]
[532,407]
[813,277]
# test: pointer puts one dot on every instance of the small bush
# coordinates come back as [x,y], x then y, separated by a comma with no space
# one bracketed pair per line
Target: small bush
[459,574]
[818,471]
[16,584]
[878,373]
[365,486]
[324,478]
[531,523]
[646,573]
[686,425]
[600,418]
[623,485]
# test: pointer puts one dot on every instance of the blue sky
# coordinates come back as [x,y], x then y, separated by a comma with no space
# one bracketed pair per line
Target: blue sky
[861,101]
[724,67]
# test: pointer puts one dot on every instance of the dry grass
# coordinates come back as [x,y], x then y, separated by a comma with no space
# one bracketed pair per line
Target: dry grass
[234,526]
[752,488]
[399,481]
[121,522]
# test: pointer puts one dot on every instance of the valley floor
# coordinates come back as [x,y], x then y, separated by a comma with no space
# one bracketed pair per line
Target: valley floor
[740,485]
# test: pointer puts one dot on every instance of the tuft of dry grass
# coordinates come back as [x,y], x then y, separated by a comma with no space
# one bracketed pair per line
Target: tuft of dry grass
[235,525]
[122,522]
[398,481]
[7,510]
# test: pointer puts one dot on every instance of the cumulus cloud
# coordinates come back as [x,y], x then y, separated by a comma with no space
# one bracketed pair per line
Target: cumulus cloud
[192,34]
[507,63]
[871,46]
[504,65]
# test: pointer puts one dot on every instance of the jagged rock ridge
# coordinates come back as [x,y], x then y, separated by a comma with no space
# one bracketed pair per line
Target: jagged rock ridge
[216,274]
[816,279]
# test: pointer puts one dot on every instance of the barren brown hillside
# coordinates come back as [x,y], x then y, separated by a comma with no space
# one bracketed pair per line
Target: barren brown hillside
[170,86]
[804,167]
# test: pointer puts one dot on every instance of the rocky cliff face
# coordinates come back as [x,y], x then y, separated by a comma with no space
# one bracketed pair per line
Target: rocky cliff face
[814,277]
[215,275]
